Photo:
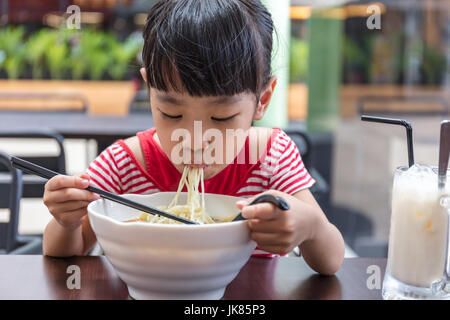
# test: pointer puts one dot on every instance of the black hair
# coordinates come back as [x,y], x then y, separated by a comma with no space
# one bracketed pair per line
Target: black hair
[213,47]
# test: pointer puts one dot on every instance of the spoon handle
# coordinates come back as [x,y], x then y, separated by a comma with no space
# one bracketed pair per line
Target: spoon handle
[444,153]
[275,200]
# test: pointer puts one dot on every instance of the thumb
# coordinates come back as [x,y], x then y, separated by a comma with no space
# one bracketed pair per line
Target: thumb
[82,180]
[244,202]
[241,203]
[84,176]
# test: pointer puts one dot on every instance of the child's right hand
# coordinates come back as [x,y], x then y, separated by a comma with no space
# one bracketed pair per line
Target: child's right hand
[67,200]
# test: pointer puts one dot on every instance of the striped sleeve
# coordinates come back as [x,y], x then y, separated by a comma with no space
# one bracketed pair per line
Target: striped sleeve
[104,170]
[288,173]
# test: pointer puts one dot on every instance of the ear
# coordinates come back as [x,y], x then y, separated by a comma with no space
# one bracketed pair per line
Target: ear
[144,74]
[264,98]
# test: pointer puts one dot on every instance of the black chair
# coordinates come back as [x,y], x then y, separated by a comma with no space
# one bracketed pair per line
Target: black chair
[320,189]
[354,226]
[33,187]
[10,240]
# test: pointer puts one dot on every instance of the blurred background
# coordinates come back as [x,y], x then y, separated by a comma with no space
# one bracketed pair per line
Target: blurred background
[70,86]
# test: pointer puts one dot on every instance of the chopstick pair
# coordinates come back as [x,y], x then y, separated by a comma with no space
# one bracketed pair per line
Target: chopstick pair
[42,172]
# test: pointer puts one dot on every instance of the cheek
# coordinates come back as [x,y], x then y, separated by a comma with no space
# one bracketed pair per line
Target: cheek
[169,146]
[164,136]
[233,144]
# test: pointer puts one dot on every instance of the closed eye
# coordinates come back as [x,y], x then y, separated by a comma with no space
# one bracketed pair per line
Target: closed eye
[223,119]
[170,116]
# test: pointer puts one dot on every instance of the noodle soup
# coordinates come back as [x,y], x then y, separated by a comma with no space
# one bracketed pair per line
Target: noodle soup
[173,261]
[193,210]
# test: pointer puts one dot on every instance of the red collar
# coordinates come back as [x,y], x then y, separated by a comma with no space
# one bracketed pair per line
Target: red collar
[165,176]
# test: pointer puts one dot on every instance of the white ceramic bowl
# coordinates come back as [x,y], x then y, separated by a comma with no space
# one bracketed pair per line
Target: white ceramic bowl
[172,261]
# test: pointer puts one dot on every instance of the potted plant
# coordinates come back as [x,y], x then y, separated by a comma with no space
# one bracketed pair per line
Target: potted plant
[13,50]
[91,63]
[298,70]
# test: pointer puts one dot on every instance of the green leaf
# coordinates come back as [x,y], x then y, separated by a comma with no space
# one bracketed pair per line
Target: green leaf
[299,52]
[37,46]
[11,44]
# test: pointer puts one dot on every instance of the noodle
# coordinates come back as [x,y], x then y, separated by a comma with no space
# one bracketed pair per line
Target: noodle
[194,210]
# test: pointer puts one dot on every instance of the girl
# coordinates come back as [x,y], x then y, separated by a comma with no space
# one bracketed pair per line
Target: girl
[207,64]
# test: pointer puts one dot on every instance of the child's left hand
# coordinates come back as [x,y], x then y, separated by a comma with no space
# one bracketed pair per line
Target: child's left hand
[279,231]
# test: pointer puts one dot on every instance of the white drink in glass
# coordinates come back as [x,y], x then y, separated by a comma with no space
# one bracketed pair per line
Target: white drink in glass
[418,236]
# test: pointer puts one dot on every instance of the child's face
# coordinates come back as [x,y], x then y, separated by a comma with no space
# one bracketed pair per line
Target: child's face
[214,128]
[196,115]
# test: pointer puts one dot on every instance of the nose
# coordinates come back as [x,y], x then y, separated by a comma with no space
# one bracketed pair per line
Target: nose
[200,147]
[198,141]
[195,143]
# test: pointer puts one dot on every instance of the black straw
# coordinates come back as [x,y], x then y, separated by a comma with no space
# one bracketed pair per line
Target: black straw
[404,123]
[48,174]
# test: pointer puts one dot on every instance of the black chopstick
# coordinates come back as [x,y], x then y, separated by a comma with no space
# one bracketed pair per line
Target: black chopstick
[48,174]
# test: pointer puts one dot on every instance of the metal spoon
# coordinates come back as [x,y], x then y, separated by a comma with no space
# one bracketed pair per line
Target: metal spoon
[444,153]
[275,200]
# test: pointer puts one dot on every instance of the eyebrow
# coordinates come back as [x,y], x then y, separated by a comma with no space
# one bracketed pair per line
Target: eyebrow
[225,100]
[169,99]
[216,101]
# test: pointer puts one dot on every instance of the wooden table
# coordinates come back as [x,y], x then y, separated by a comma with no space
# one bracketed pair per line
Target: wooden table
[39,277]
[77,125]
[103,129]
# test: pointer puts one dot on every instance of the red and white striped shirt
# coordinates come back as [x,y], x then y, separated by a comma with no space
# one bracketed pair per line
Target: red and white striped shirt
[280,168]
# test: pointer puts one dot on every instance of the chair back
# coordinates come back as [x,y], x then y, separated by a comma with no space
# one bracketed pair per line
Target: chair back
[34,186]
[303,143]
[10,199]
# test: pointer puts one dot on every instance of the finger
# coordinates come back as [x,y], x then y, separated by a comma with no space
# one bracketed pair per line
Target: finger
[240,204]
[84,176]
[267,226]
[72,218]
[265,211]
[243,202]
[70,194]
[265,239]
[274,249]
[69,206]
[62,182]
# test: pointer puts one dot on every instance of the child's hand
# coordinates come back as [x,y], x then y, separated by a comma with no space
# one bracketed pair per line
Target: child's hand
[67,200]
[279,231]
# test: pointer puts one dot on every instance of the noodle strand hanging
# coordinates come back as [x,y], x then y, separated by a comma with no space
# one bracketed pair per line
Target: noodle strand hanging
[194,209]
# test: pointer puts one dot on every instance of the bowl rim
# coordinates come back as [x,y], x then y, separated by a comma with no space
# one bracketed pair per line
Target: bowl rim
[92,212]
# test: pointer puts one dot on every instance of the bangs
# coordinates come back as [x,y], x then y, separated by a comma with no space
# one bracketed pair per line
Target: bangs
[205,47]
